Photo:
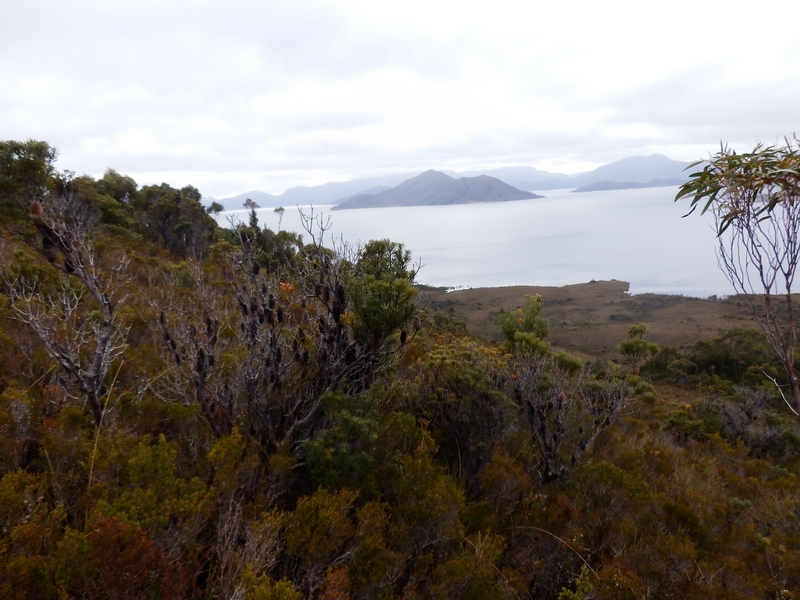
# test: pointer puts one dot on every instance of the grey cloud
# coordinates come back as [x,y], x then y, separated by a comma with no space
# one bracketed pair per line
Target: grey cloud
[283,87]
[700,105]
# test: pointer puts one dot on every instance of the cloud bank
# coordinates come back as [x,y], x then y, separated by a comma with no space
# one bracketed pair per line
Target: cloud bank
[246,95]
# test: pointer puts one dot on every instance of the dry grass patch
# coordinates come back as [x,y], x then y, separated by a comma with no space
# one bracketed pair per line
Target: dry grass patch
[590,319]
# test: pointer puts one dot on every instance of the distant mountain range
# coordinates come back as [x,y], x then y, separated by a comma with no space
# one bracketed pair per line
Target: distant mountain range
[636,171]
[435,188]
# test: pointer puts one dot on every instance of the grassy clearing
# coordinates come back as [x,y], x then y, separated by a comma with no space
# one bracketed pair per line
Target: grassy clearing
[590,319]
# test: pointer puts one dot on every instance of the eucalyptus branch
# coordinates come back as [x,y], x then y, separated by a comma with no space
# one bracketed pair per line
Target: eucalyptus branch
[755,200]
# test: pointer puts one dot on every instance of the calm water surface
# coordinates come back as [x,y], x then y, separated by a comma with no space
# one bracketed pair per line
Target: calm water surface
[630,235]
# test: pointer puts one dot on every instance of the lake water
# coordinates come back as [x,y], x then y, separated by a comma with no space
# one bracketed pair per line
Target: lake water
[636,236]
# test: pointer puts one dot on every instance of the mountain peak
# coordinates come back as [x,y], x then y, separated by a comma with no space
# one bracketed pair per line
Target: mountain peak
[430,175]
[436,188]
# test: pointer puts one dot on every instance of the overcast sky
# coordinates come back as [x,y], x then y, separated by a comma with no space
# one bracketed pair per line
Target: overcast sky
[263,95]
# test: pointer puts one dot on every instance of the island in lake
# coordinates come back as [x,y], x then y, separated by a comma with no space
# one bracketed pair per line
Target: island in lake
[435,188]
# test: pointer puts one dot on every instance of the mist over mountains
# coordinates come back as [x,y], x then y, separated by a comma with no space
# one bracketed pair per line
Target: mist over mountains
[636,171]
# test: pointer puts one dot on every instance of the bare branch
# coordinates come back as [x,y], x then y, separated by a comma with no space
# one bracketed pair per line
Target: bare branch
[76,322]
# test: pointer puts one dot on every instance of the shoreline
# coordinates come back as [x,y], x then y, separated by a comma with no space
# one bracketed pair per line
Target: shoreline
[454,289]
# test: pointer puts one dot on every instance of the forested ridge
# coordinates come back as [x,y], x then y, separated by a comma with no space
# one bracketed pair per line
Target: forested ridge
[191,411]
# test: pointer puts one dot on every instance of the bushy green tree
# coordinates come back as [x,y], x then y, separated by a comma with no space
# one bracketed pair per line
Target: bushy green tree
[459,388]
[524,330]
[117,186]
[26,169]
[382,292]
[174,218]
[635,349]
[741,356]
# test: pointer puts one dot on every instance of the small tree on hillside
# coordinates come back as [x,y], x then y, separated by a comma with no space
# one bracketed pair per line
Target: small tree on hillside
[565,407]
[635,349]
[755,200]
[71,311]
